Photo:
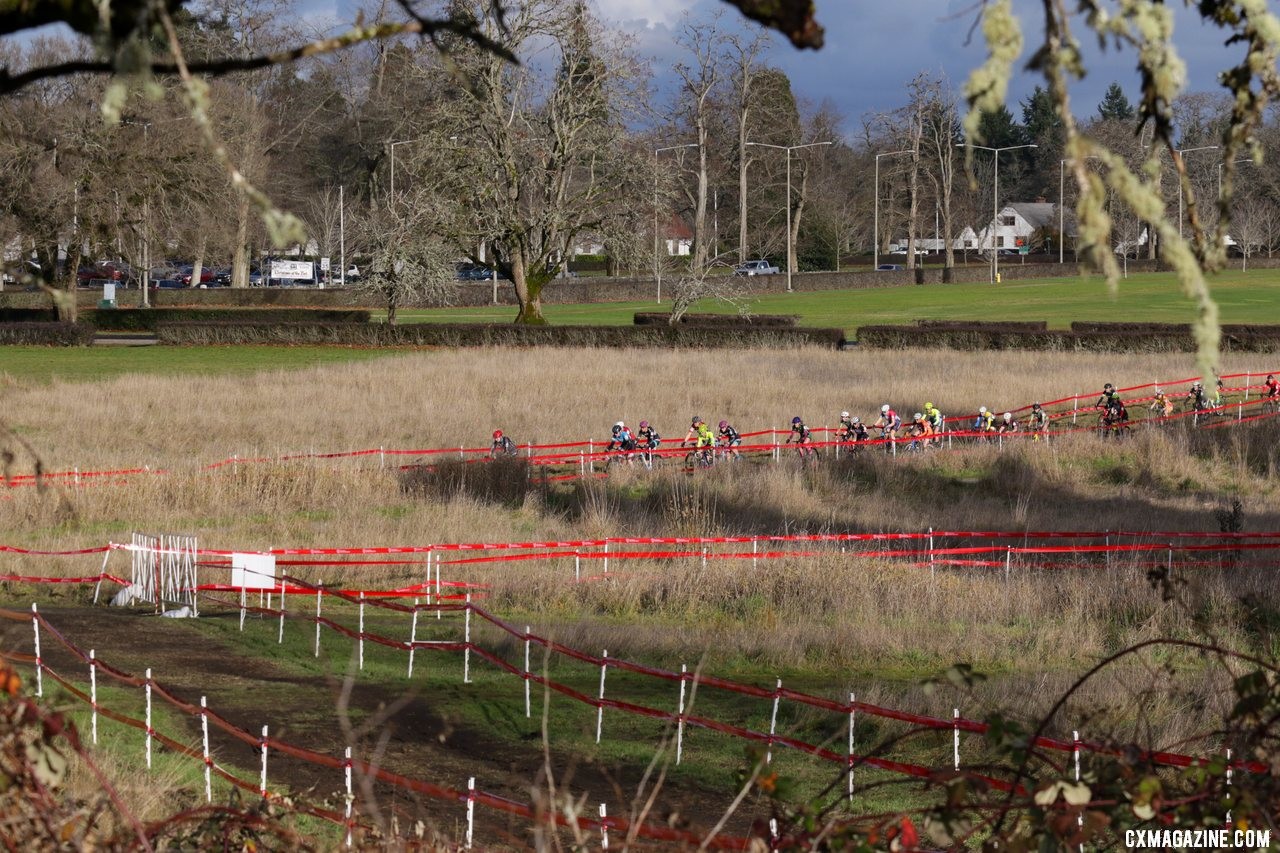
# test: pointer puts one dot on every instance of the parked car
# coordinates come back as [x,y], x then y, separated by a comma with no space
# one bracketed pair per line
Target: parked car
[759,267]
[890,268]
[187,270]
[476,272]
[116,271]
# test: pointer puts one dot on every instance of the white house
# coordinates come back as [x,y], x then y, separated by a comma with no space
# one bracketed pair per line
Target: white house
[1017,225]
[967,240]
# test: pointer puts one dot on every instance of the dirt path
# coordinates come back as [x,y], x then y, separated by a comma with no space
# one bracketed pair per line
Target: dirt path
[411,737]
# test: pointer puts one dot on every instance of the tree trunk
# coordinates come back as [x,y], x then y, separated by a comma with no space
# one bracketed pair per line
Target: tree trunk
[391,310]
[197,266]
[700,210]
[528,292]
[796,215]
[62,290]
[240,255]
[742,187]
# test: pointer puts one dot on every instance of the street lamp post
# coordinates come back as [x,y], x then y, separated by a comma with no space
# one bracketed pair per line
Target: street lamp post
[1244,256]
[995,199]
[1179,152]
[788,149]
[657,267]
[875,227]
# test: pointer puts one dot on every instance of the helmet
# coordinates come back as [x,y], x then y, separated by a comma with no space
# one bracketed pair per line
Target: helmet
[1269,376]
[1008,416]
[928,406]
[918,416]
[497,433]
[1108,387]
[644,425]
[884,410]
[619,425]
[844,414]
[696,420]
[617,428]
[856,420]
[1158,391]
[796,420]
[1035,405]
[723,424]
[982,410]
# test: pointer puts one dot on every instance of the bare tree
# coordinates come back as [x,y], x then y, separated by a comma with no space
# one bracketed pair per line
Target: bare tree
[704,45]
[746,72]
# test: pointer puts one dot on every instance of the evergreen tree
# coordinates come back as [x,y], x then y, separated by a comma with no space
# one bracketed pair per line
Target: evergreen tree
[1115,106]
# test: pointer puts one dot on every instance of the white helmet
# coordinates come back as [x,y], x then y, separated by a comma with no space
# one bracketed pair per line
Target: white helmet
[1008,416]
[982,410]
[918,416]
[844,414]
[884,410]
[620,425]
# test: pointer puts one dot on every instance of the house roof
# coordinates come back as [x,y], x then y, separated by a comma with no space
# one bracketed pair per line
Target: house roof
[1037,214]
[678,229]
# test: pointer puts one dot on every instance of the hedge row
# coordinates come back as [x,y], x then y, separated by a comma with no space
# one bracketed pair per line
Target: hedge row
[995,326]
[1246,329]
[150,319]
[658,318]
[46,334]
[472,334]
[28,315]
[979,337]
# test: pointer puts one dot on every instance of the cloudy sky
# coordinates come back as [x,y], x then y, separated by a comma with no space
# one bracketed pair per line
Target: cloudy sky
[874,47]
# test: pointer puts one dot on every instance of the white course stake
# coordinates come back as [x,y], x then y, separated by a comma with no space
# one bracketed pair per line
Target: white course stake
[362,630]
[413,637]
[773,721]
[773,833]
[242,606]
[149,729]
[439,601]
[680,716]
[956,730]
[471,809]
[280,635]
[577,567]
[852,702]
[528,709]
[604,828]
[204,736]
[35,624]
[346,766]
[932,571]
[604,667]
[753,553]
[319,590]
[262,786]
[101,574]
[1008,558]
[1075,751]
[93,691]
[606,556]
[466,636]
[1229,785]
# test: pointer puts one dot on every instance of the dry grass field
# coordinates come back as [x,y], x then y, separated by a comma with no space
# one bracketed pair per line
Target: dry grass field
[831,623]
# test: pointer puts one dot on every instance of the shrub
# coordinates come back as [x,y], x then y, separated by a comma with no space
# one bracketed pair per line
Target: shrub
[504,480]
[1003,325]
[47,334]
[28,315]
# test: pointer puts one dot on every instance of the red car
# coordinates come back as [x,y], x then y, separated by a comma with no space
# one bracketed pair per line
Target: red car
[184,275]
[106,271]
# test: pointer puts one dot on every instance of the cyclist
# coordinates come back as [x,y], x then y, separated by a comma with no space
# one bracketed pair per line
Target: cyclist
[1217,399]
[889,423]
[1109,395]
[1115,418]
[844,430]
[1273,388]
[857,431]
[921,432]
[1161,404]
[647,437]
[935,419]
[1007,424]
[801,435]
[502,445]
[701,437]
[622,439]
[985,421]
[1196,397]
[728,437]
[1038,422]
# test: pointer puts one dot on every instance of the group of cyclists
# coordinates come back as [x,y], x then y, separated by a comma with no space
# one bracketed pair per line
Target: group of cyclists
[925,428]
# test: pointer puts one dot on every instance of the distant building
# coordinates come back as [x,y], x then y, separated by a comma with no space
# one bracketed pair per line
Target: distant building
[1026,224]
[678,237]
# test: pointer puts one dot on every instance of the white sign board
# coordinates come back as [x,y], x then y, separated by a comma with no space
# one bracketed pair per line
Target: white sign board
[253,571]
[324,264]
[292,269]
[109,291]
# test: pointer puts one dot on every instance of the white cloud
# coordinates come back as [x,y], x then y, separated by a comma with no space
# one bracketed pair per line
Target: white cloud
[648,12]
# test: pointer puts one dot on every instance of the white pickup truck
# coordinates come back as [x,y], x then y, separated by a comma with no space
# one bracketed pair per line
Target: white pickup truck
[755,268]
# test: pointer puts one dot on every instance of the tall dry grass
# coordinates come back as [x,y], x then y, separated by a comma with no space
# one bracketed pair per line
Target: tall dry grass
[835,618]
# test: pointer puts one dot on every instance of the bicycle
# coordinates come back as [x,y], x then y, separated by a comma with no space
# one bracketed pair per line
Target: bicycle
[648,458]
[700,457]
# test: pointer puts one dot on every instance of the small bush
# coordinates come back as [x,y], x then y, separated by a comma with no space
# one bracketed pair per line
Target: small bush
[28,315]
[47,334]
[1001,326]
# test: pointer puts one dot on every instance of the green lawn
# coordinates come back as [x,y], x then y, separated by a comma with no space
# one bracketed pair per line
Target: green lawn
[85,364]
[1248,297]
